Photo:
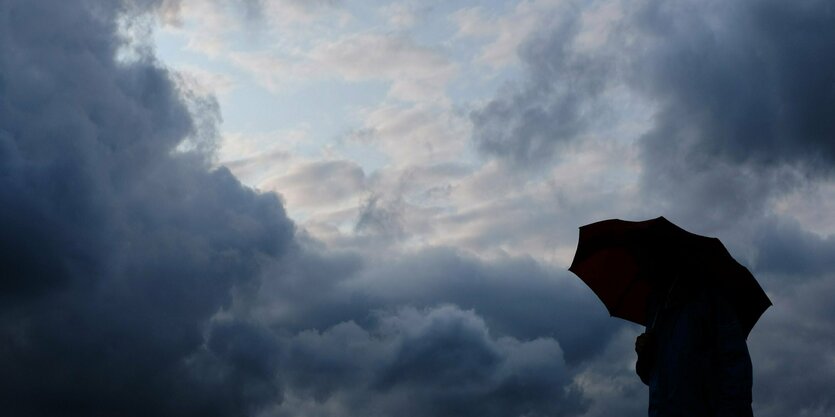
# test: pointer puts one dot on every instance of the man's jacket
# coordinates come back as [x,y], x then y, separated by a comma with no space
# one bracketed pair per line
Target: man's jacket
[696,363]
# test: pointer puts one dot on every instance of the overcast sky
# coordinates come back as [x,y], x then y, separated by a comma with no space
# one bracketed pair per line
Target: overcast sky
[367,208]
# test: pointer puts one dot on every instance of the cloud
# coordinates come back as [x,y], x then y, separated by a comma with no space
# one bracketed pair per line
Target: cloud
[812,205]
[405,15]
[749,80]
[516,297]
[416,72]
[425,362]
[207,82]
[118,247]
[375,219]
[792,346]
[471,22]
[137,279]
[610,380]
[415,135]
[742,93]
[744,85]
[559,102]
[271,72]
[319,184]
[785,249]
[508,31]
[249,11]
[499,208]
[301,11]
[434,332]
[792,351]
[731,114]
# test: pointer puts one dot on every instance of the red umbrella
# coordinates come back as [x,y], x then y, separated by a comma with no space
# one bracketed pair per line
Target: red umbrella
[620,260]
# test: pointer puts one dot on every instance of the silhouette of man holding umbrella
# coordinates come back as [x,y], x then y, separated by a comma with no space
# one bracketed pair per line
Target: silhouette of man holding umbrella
[697,303]
[694,357]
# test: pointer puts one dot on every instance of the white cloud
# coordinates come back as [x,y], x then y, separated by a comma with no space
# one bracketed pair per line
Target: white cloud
[499,211]
[318,185]
[301,11]
[417,134]
[511,30]
[416,72]
[812,205]
[204,24]
[471,22]
[401,15]
[597,23]
[255,158]
[206,81]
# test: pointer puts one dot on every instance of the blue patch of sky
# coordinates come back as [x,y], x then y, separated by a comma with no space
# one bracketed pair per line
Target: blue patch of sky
[326,109]
[366,155]
[435,28]
[326,106]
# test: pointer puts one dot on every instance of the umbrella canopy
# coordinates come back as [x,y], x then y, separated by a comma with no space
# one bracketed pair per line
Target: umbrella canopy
[621,261]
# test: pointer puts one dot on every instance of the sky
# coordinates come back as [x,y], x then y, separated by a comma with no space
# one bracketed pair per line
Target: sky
[367,208]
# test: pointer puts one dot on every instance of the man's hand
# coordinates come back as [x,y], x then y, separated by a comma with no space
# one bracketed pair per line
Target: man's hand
[642,342]
[645,347]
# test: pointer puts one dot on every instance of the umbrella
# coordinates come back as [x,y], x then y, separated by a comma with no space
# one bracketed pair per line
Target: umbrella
[620,260]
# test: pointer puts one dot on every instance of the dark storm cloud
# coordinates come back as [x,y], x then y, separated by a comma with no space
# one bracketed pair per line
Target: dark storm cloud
[436,333]
[516,297]
[748,82]
[791,348]
[135,280]
[434,362]
[116,248]
[754,81]
[786,249]
[429,334]
[747,99]
[792,352]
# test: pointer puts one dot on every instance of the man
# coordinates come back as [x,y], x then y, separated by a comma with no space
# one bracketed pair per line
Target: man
[693,355]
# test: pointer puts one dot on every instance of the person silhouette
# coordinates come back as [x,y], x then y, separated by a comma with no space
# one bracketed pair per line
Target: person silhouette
[693,355]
